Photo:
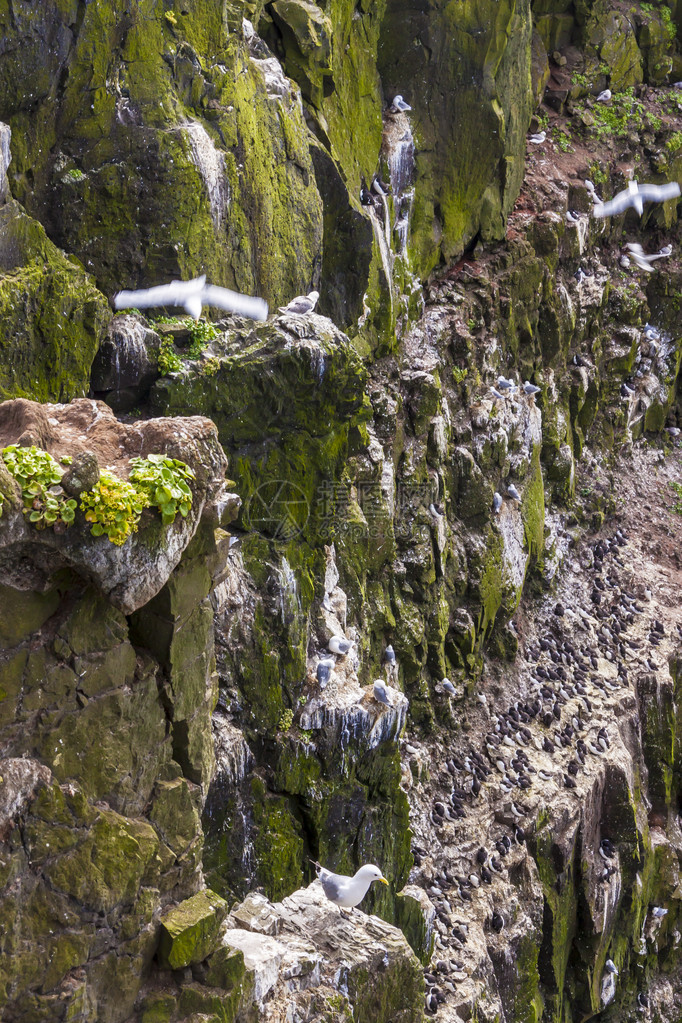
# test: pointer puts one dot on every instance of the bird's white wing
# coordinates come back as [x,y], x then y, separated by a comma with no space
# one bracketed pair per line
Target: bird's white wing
[635,247]
[614,206]
[659,193]
[233,302]
[174,294]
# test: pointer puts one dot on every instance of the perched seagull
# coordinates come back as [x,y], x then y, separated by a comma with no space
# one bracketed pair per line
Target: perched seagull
[381,694]
[572,218]
[513,493]
[611,967]
[636,195]
[339,645]
[530,389]
[302,304]
[389,655]
[448,687]
[505,385]
[399,106]
[642,260]
[346,892]
[604,96]
[191,296]
[497,503]
[324,670]
[538,139]
[624,262]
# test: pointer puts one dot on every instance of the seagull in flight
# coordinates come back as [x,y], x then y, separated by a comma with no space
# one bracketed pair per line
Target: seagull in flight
[643,261]
[636,195]
[191,296]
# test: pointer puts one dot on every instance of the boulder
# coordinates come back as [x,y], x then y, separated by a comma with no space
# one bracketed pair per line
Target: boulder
[189,931]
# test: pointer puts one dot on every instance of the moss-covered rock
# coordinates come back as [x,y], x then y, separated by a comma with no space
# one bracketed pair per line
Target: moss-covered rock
[53,318]
[189,932]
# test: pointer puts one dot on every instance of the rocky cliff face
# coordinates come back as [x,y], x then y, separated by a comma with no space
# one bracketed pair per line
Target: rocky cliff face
[171,755]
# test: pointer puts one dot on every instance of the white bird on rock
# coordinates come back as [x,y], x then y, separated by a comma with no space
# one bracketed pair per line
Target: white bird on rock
[604,96]
[191,296]
[302,304]
[339,645]
[381,693]
[399,106]
[347,892]
[513,493]
[538,138]
[636,195]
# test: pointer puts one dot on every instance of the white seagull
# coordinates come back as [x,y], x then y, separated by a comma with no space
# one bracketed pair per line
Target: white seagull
[636,195]
[643,261]
[191,296]
[346,892]
[302,304]
[399,106]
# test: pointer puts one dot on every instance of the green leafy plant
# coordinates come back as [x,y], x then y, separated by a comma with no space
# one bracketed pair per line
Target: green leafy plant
[113,506]
[168,359]
[39,476]
[209,367]
[163,481]
[674,142]
[201,333]
[286,720]
[677,507]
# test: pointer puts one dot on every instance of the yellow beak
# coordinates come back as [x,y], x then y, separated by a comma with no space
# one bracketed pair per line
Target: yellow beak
[383,880]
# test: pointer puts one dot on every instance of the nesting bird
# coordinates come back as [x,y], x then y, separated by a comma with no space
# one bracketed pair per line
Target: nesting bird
[324,670]
[339,645]
[381,693]
[302,304]
[399,106]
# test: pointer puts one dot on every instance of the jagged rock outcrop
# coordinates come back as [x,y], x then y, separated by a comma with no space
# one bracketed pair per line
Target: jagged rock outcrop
[168,740]
[105,742]
[301,958]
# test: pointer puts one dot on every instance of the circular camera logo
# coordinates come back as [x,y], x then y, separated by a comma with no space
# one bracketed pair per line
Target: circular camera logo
[278,508]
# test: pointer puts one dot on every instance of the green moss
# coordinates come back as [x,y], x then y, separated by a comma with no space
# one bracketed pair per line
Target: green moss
[189,932]
[278,846]
[52,318]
